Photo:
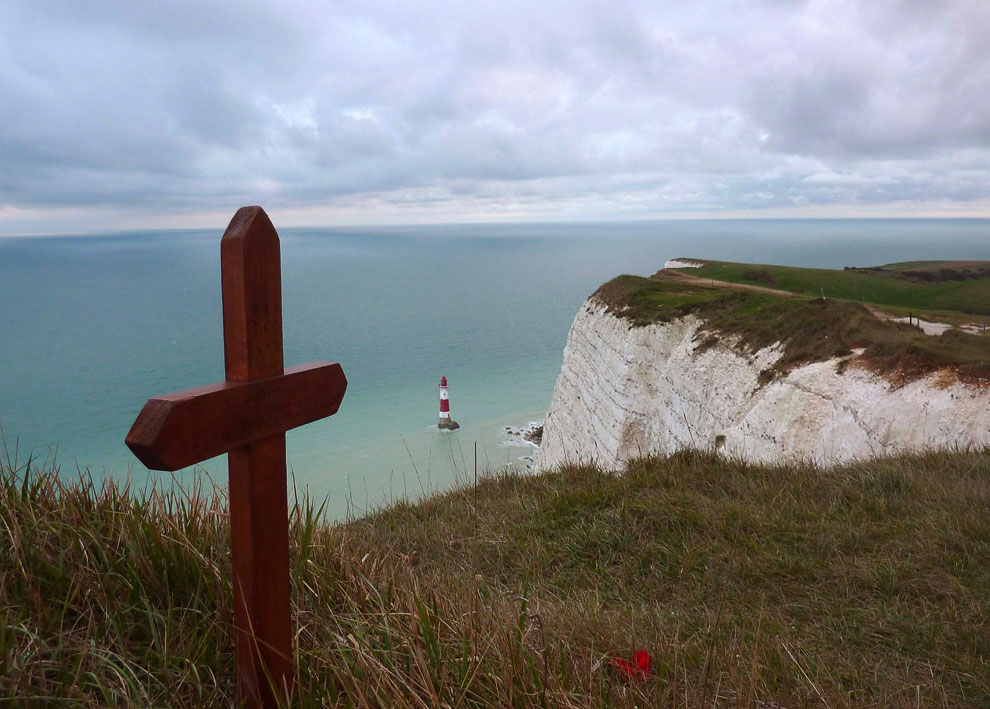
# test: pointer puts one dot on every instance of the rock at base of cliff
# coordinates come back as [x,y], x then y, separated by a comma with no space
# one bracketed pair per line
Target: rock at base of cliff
[534,435]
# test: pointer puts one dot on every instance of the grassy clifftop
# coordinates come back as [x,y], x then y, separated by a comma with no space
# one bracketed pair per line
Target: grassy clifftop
[962,286]
[866,585]
[808,328]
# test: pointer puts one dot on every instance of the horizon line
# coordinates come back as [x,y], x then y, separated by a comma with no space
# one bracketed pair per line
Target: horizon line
[497,223]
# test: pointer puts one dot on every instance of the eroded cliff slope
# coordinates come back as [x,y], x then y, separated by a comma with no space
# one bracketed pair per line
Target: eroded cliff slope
[629,387]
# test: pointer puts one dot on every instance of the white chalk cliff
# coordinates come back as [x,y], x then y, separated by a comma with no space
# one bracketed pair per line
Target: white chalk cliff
[628,391]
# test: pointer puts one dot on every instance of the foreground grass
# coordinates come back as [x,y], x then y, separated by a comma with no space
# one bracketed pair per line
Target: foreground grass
[866,585]
[878,286]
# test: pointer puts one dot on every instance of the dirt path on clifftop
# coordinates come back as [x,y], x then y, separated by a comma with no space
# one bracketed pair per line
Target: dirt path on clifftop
[928,327]
[669,274]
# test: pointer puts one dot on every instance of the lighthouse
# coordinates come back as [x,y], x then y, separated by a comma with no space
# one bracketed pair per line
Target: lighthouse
[445,421]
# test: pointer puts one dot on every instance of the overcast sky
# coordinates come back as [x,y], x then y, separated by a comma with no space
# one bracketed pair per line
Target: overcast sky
[148,113]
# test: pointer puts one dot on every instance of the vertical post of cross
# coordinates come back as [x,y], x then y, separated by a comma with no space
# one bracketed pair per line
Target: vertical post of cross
[250,267]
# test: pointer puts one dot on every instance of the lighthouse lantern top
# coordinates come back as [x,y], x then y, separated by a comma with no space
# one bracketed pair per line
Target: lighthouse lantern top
[443,381]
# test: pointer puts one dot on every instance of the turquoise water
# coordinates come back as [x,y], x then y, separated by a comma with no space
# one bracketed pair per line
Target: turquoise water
[91,326]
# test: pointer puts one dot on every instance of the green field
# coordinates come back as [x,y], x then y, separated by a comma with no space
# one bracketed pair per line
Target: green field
[966,296]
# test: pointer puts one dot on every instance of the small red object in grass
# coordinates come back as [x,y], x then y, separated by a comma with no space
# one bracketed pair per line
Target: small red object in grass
[637,669]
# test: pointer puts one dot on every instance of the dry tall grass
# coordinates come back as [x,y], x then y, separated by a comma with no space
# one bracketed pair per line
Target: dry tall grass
[866,585]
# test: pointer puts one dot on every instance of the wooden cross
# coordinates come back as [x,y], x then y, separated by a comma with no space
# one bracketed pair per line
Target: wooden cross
[246,417]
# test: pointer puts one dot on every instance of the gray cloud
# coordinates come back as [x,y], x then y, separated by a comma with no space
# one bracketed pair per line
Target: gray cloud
[635,110]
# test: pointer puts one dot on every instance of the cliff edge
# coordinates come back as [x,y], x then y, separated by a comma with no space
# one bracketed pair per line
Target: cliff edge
[655,365]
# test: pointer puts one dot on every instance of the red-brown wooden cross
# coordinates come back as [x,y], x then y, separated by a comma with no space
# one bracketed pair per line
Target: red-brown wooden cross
[246,417]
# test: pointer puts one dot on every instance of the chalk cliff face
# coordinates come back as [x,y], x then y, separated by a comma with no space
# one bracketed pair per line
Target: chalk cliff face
[625,392]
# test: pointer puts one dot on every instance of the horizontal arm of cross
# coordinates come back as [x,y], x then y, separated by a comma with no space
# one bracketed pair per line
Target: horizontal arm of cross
[178,430]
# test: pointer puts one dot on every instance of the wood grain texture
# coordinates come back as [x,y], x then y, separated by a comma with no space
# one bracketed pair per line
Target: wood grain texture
[180,429]
[251,287]
[259,536]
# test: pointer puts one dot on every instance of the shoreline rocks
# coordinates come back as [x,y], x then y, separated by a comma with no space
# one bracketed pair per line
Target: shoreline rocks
[528,436]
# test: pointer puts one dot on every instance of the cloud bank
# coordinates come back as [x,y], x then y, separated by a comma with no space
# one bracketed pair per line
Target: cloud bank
[364,112]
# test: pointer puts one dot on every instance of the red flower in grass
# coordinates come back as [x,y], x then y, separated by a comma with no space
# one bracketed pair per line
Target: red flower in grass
[637,669]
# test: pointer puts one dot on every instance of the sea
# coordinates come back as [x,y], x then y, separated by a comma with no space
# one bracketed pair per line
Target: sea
[92,325]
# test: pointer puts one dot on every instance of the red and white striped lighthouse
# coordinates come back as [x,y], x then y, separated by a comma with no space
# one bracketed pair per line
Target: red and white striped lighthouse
[445,421]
